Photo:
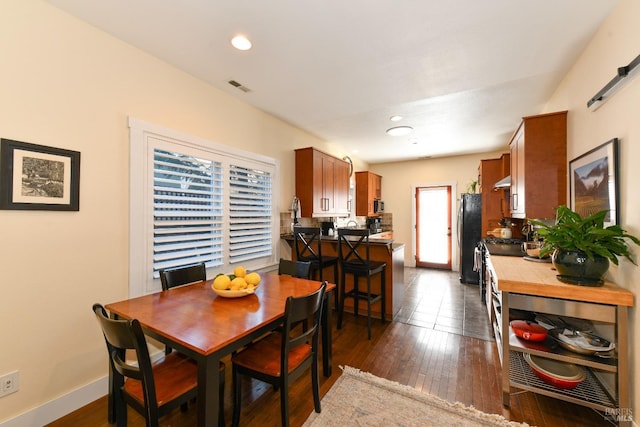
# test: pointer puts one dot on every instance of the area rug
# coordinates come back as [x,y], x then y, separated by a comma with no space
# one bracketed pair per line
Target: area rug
[361,399]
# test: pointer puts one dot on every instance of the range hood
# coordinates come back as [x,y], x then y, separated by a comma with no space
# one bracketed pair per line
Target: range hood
[503,183]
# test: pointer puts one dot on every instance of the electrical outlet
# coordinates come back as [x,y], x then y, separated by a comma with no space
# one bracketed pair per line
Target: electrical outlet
[9,383]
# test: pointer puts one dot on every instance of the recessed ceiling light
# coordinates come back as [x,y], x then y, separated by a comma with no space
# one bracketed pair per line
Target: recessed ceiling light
[399,130]
[395,118]
[241,42]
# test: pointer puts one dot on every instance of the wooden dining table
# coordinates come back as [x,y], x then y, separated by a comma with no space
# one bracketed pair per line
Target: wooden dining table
[195,321]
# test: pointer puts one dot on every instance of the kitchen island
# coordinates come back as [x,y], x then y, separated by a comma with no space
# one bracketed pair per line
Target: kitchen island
[383,248]
[533,287]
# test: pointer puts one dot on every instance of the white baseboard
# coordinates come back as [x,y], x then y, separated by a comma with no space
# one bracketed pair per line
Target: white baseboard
[65,404]
[61,406]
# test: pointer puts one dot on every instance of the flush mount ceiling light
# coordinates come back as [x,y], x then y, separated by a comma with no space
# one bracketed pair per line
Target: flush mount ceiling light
[400,130]
[240,42]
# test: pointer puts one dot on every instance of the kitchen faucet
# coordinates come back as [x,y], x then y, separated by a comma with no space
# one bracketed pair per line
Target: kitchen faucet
[355,223]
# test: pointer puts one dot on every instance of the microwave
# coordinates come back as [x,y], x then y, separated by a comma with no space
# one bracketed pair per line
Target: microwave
[378,206]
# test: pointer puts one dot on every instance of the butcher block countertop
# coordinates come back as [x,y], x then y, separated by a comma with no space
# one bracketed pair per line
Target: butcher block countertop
[517,275]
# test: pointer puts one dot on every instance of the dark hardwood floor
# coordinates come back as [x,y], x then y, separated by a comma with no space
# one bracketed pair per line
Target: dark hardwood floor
[439,343]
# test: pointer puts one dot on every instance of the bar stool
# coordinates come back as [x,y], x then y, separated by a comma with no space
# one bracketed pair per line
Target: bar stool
[353,253]
[308,245]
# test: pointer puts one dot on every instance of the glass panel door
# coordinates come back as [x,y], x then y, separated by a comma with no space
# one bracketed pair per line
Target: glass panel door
[433,227]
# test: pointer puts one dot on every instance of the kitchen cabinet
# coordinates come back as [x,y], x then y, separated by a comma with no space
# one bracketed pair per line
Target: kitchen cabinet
[533,287]
[494,206]
[368,188]
[538,151]
[322,184]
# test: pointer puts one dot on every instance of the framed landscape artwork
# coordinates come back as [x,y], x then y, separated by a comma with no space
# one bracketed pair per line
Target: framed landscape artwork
[594,182]
[36,177]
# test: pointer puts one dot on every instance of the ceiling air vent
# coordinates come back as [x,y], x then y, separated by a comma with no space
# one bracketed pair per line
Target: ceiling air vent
[239,86]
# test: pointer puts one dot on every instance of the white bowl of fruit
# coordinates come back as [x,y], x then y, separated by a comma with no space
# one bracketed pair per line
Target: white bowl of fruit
[237,284]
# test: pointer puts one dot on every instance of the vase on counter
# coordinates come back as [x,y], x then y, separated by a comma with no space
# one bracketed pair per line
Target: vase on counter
[576,268]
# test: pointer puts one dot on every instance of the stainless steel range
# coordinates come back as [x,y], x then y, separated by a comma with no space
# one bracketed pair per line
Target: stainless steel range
[488,284]
[495,246]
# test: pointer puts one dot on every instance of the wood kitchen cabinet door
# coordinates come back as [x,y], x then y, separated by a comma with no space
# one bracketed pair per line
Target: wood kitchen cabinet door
[538,151]
[490,172]
[341,188]
[368,188]
[518,195]
[322,183]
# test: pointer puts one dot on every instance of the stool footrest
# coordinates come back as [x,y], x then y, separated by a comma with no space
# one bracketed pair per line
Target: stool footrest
[363,295]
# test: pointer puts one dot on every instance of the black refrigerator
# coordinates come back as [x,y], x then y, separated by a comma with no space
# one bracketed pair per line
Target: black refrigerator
[469,234]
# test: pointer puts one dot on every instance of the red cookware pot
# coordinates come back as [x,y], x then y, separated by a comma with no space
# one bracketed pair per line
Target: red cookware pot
[528,330]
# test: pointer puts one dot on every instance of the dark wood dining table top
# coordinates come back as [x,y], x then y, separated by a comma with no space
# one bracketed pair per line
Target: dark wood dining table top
[198,319]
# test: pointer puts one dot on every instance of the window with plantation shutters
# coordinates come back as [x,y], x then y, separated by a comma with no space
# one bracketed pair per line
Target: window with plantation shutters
[187,211]
[250,214]
[196,201]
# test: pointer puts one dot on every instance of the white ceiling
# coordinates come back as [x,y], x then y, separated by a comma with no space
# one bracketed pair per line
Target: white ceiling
[461,72]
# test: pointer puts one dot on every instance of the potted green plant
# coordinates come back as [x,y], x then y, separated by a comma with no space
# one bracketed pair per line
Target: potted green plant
[582,247]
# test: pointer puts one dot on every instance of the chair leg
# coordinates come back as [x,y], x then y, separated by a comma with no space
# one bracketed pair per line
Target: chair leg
[355,294]
[369,306]
[284,403]
[221,422]
[341,304]
[315,384]
[236,397]
[335,278]
[120,409]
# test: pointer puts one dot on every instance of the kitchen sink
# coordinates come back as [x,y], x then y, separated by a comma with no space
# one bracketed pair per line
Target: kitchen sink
[505,248]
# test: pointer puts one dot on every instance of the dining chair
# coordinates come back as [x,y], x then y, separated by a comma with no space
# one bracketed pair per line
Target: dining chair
[300,269]
[152,389]
[308,247]
[177,276]
[282,356]
[355,259]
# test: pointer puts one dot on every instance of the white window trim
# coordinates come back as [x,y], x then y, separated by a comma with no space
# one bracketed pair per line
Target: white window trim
[141,280]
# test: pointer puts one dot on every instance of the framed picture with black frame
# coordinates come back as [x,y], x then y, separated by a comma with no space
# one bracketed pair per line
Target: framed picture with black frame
[593,182]
[37,177]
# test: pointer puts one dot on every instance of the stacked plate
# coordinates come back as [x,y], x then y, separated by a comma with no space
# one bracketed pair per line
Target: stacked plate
[558,374]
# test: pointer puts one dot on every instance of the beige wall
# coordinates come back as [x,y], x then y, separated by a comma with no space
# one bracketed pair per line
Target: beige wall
[65,84]
[399,178]
[615,45]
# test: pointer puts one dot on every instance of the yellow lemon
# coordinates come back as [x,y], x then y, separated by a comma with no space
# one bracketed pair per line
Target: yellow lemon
[238,283]
[221,282]
[252,278]
[239,271]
